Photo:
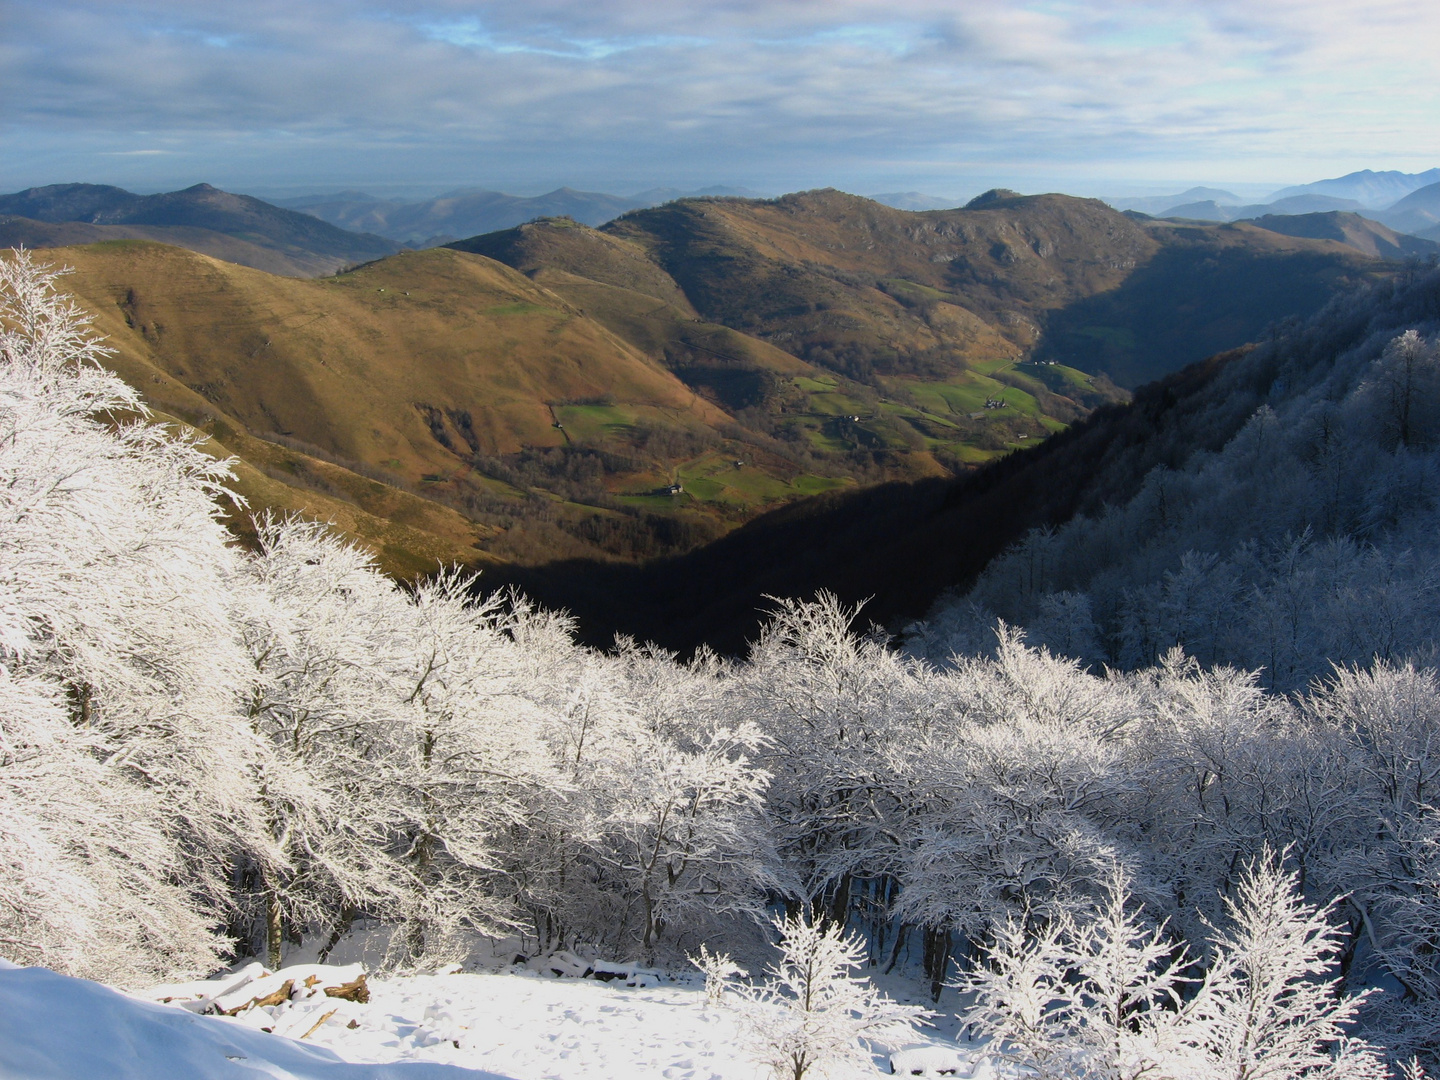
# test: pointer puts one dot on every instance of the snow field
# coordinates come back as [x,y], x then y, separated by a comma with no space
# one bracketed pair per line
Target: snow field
[54,1027]
[523,1024]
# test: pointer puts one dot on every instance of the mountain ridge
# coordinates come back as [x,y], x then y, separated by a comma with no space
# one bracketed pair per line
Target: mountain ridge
[306,242]
[1376,190]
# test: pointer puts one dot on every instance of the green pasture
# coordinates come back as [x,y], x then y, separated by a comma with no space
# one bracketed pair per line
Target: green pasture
[596,423]
[522,308]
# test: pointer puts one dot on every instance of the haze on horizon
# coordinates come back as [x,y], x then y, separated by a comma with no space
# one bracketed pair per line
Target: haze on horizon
[1089,96]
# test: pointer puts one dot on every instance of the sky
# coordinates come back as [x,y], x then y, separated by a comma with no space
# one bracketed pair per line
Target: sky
[947,98]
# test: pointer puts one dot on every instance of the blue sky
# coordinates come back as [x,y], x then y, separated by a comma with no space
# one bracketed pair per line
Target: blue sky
[620,95]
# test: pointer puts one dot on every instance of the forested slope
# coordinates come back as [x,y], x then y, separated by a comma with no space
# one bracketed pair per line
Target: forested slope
[207,752]
[901,545]
[1298,532]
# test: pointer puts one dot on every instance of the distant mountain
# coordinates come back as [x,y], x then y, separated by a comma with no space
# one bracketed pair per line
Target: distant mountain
[463,213]
[1157,204]
[1205,210]
[1309,203]
[1375,190]
[1360,233]
[914,200]
[308,245]
[1418,212]
[656,196]
[27,232]
[475,211]
[1211,210]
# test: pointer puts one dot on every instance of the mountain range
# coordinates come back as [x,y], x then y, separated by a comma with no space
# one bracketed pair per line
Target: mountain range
[468,212]
[1407,203]
[556,392]
[1417,213]
[237,228]
[1374,190]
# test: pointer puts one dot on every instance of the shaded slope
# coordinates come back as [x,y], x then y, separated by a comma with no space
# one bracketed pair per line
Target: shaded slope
[864,289]
[293,234]
[871,292]
[902,545]
[1209,288]
[897,545]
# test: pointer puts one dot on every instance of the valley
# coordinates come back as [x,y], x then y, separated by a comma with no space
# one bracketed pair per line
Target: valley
[556,395]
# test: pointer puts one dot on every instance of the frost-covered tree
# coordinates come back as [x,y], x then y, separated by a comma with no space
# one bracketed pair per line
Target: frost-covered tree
[470,761]
[1103,995]
[1269,1006]
[123,771]
[836,708]
[326,635]
[684,831]
[813,1012]
[720,971]
[1100,994]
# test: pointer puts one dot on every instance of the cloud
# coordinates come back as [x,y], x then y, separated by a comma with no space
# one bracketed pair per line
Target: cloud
[791,90]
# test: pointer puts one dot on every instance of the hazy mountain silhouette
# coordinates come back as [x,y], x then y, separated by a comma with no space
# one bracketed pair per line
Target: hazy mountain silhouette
[1375,190]
[306,244]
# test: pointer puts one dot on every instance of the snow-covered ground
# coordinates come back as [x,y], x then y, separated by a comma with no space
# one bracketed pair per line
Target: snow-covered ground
[521,1025]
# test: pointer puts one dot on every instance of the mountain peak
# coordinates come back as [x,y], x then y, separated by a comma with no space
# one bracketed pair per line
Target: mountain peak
[992,197]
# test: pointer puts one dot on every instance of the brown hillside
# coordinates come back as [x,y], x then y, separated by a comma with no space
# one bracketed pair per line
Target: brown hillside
[872,292]
[855,285]
[902,426]
[25,232]
[561,392]
[379,365]
[428,383]
[1366,236]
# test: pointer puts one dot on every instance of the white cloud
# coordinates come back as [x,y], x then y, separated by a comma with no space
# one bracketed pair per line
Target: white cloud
[821,90]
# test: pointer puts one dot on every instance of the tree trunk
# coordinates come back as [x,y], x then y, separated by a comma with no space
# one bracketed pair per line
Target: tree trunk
[840,903]
[347,919]
[274,930]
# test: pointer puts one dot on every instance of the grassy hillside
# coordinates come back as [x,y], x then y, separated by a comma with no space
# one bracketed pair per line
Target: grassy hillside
[902,424]
[896,546]
[875,293]
[29,233]
[557,394]
[445,393]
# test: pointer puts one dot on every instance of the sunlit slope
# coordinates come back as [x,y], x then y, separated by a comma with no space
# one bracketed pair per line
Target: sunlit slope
[435,391]
[408,534]
[382,365]
[922,422]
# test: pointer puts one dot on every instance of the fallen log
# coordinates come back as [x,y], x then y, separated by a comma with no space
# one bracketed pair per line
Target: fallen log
[275,998]
[355,990]
[316,1026]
